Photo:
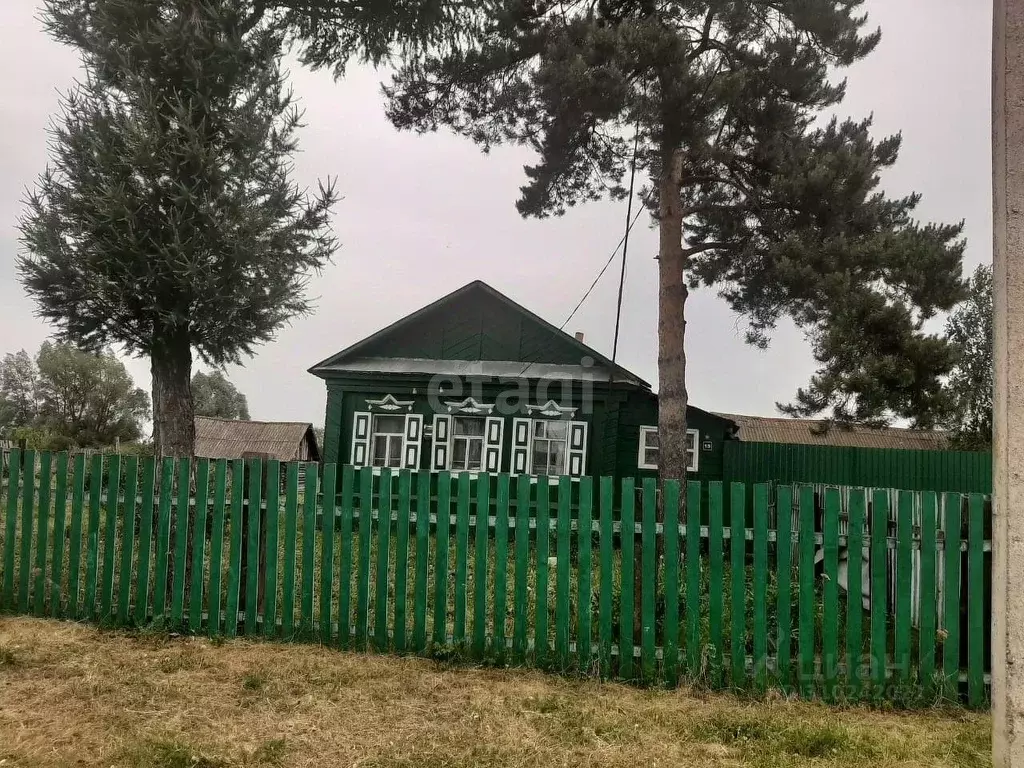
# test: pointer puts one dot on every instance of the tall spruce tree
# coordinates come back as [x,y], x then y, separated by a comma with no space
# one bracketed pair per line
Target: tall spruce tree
[168,223]
[752,195]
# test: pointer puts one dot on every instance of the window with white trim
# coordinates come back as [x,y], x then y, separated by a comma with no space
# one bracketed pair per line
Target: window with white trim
[387,436]
[468,435]
[647,457]
[549,448]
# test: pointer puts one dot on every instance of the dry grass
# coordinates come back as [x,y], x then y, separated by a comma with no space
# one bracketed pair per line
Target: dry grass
[73,695]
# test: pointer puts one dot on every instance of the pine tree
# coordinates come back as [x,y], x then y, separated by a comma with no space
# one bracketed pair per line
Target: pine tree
[752,194]
[168,223]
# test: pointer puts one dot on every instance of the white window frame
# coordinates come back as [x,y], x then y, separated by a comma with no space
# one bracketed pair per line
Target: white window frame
[390,436]
[564,441]
[482,439]
[693,438]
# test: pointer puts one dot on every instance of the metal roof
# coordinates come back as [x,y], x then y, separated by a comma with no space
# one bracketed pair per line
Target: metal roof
[760,429]
[230,439]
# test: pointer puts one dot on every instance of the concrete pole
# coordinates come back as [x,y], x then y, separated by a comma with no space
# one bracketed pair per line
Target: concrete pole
[1008,438]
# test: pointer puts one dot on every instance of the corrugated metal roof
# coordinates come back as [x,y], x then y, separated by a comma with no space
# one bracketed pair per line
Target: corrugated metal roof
[760,429]
[228,439]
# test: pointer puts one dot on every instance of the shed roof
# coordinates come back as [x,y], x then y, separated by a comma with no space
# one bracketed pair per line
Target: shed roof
[760,429]
[232,439]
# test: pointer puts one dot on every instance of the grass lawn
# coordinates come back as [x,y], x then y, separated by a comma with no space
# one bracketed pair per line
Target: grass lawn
[71,695]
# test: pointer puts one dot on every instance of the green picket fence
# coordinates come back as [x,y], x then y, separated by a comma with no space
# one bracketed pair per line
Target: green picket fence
[561,574]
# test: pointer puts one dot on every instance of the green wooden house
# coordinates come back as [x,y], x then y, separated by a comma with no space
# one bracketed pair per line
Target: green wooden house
[475,382]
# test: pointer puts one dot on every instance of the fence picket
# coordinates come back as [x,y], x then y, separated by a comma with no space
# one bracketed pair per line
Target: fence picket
[522,545]
[648,577]
[271,548]
[604,617]
[627,586]
[540,625]
[163,539]
[584,545]
[483,505]
[461,559]
[60,508]
[42,534]
[830,593]
[235,585]
[879,595]
[716,586]
[11,528]
[213,620]
[131,489]
[92,542]
[110,537]
[195,601]
[329,490]
[252,552]
[693,519]
[419,621]
[291,542]
[951,590]
[380,602]
[181,533]
[444,509]
[562,572]
[310,488]
[363,574]
[28,487]
[348,484]
[760,584]
[975,601]
[805,639]
[904,580]
[855,591]
[737,602]
[501,523]
[402,558]
[926,635]
[784,578]
[670,629]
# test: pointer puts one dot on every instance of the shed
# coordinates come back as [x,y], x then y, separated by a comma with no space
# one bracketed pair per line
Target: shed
[762,429]
[233,439]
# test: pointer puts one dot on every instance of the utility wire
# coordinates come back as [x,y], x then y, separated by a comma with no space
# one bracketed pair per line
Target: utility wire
[625,242]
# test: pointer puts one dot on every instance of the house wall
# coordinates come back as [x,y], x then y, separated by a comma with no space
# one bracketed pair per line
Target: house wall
[614,416]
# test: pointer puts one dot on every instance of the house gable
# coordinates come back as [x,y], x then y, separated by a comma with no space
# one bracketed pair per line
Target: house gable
[475,323]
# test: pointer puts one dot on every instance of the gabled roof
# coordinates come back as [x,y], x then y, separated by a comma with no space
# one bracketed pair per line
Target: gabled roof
[232,439]
[359,350]
[760,429]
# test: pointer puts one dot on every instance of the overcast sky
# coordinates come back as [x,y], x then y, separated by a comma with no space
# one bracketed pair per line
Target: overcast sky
[422,216]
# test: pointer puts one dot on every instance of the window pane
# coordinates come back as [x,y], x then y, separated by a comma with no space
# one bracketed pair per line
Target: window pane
[394,452]
[691,441]
[476,450]
[651,439]
[556,429]
[467,426]
[557,460]
[540,457]
[390,425]
[691,459]
[540,429]
[380,451]
[651,457]
[459,454]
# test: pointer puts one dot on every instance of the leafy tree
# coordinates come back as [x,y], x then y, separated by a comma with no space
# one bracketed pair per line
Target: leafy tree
[168,222]
[215,396]
[89,398]
[969,328]
[752,194]
[19,381]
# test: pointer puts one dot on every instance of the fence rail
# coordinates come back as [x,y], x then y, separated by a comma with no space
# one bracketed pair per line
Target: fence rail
[844,593]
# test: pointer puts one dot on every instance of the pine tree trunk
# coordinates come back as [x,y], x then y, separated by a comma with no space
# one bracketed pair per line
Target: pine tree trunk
[174,428]
[672,293]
